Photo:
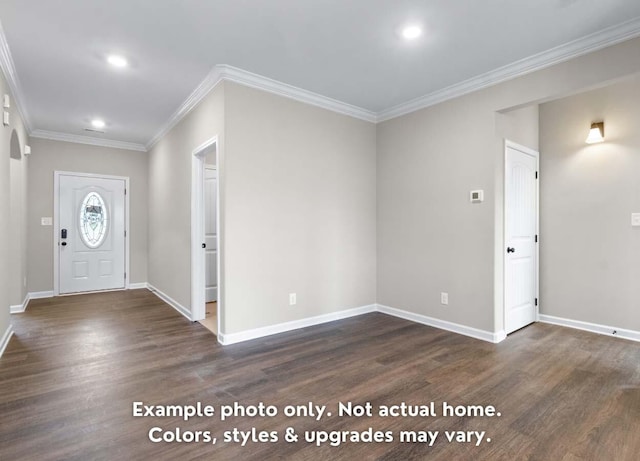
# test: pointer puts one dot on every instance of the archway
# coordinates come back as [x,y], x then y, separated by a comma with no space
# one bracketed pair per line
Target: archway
[14,147]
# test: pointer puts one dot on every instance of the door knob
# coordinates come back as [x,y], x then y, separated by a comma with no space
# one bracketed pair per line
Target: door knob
[511,250]
[64,244]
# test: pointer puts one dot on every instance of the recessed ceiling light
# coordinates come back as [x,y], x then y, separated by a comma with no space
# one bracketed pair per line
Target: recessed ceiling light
[97,123]
[117,61]
[411,32]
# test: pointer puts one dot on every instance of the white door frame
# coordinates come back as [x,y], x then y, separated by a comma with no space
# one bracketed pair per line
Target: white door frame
[198,259]
[56,225]
[510,144]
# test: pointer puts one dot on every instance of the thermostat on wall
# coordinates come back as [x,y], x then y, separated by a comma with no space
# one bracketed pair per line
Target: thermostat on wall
[476,196]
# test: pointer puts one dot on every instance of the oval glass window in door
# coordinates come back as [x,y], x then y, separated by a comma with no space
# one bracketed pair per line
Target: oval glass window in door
[93,220]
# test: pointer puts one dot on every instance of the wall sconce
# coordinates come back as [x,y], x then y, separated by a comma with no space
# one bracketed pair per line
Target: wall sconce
[596,133]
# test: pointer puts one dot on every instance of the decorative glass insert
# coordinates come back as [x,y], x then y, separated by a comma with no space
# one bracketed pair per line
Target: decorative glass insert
[93,220]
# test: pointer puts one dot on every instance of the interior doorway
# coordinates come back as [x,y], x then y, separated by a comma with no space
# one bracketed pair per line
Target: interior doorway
[521,193]
[211,242]
[205,236]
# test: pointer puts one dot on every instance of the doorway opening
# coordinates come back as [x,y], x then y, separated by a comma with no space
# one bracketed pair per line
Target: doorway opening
[205,236]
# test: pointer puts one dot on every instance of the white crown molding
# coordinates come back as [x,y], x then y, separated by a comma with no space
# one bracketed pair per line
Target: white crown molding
[203,89]
[232,74]
[10,74]
[590,43]
[562,53]
[65,137]
[269,85]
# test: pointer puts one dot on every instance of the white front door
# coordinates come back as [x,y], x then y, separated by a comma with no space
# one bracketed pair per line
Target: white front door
[210,233]
[91,233]
[521,253]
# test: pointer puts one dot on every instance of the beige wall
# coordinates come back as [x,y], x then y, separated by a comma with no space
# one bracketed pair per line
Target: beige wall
[430,238]
[13,191]
[49,156]
[300,210]
[590,265]
[17,231]
[297,192]
[170,196]
[18,213]
[5,223]
[520,126]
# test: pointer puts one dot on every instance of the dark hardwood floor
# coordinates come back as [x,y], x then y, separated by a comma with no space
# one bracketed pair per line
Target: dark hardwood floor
[70,374]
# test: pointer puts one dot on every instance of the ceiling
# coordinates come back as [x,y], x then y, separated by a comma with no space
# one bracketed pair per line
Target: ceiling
[349,51]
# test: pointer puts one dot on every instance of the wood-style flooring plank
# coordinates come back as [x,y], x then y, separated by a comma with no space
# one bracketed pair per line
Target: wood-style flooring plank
[70,374]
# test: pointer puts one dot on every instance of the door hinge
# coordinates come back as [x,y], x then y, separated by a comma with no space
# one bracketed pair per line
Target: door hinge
[536,301]
[125,191]
[125,275]
[536,175]
[536,238]
[125,234]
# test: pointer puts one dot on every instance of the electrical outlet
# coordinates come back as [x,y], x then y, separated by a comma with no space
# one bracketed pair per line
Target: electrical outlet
[47,221]
[292,299]
[444,298]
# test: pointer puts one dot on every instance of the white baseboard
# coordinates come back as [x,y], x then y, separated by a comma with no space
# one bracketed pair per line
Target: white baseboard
[234,338]
[20,308]
[170,301]
[592,327]
[499,336]
[444,325]
[138,286]
[40,294]
[4,342]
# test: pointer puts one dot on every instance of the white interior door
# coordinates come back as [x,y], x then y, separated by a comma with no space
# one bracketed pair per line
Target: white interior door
[91,233]
[210,233]
[521,217]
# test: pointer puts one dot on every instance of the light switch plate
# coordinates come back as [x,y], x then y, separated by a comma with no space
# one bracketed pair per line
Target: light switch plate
[635,219]
[5,118]
[46,221]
